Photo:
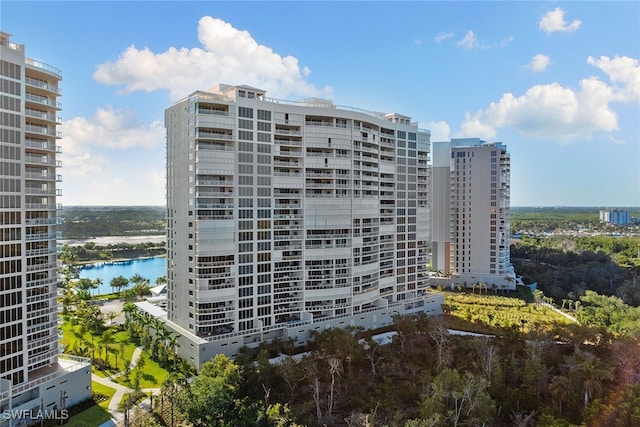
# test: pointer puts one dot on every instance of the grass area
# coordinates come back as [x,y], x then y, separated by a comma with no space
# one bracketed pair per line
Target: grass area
[153,375]
[92,417]
[136,399]
[72,338]
[95,415]
[483,313]
[104,390]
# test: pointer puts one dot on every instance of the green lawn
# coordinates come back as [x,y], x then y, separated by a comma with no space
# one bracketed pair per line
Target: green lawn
[482,313]
[72,337]
[103,389]
[92,417]
[153,375]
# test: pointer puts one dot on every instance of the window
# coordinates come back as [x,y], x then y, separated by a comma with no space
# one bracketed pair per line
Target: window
[264,115]
[245,124]
[245,112]
[245,135]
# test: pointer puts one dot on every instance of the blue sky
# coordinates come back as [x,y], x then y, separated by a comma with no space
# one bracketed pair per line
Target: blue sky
[558,82]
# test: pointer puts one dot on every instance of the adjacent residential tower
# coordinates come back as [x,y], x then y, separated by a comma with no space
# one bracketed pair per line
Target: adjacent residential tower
[34,376]
[286,217]
[471,191]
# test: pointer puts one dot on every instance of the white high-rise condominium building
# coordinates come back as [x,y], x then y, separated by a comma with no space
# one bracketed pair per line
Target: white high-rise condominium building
[34,376]
[471,190]
[286,217]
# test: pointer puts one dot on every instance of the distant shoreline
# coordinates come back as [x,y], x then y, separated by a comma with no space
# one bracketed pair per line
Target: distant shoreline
[114,240]
[98,263]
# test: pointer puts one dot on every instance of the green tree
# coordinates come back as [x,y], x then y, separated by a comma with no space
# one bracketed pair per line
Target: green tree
[106,340]
[119,283]
[457,399]
[589,373]
[212,396]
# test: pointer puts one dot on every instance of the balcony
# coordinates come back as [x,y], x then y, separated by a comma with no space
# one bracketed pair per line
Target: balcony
[40,144]
[202,134]
[40,84]
[43,130]
[42,100]
[42,115]
[43,67]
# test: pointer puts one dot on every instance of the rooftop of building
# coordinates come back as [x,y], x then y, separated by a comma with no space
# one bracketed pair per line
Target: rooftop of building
[230,93]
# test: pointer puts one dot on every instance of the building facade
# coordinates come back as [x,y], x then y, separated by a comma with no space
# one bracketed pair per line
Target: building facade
[284,217]
[615,216]
[471,192]
[35,376]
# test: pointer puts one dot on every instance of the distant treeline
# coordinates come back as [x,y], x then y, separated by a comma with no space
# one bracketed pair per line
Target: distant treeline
[92,252]
[567,266]
[552,218]
[83,222]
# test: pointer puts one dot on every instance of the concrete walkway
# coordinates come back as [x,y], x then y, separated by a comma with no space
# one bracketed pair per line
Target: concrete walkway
[557,310]
[117,416]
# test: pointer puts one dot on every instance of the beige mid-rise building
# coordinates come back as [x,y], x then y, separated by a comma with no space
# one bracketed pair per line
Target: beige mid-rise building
[471,205]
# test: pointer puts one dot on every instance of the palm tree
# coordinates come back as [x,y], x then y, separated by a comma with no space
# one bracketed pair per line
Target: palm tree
[119,283]
[141,289]
[589,374]
[128,308]
[107,339]
[136,278]
[96,283]
[111,315]
[157,326]
[560,389]
[172,344]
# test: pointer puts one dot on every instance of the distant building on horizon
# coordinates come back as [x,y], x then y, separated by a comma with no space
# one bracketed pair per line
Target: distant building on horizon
[34,375]
[287,217]
[470,213]
[615,216]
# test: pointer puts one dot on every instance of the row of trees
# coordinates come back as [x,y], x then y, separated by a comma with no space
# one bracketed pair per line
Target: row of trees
[156,339]
[92,252]
[84,222]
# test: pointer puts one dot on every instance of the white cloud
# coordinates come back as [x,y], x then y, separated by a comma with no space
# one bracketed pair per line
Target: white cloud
[228,55]
[112,157]
[506,41]
[539,63]
[440,130]
[621,70]
[554,21]
[469,41]
[444,36]
[554,112]
[474,127]
[110,128]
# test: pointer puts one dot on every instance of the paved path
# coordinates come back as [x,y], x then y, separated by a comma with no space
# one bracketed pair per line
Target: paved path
[121,390]
[557,310]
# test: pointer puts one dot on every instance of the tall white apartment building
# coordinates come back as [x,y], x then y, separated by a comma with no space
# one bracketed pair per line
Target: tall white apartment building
[471,191]
[34,376]
[286,217]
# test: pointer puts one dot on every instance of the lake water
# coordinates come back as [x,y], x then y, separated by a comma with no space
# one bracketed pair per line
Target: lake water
[149,268]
